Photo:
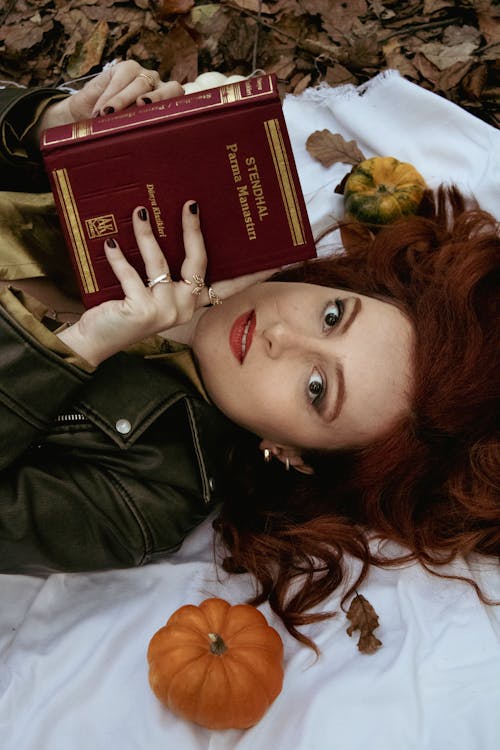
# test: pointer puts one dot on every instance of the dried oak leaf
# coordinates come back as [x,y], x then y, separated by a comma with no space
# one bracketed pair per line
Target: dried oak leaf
[363,618]
[330,148]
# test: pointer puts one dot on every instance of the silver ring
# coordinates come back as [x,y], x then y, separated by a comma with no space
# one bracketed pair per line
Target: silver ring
[150,79]
[163,278]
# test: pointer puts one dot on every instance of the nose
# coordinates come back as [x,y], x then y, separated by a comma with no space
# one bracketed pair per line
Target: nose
[281,338]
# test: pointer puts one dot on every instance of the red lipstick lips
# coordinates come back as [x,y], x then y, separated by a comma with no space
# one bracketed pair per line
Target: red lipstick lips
[240,336]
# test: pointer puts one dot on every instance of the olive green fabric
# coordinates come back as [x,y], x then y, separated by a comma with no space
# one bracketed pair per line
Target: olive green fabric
[99,467]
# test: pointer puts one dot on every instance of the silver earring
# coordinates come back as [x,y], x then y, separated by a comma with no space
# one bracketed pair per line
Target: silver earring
[267,455]
[287,464]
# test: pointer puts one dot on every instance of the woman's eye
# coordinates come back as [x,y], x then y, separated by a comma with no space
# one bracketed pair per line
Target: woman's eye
[315,387]
[333,313]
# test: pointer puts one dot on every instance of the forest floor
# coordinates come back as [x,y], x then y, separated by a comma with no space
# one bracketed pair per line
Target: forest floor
[447,46]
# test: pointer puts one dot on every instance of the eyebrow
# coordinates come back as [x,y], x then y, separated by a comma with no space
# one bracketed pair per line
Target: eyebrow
[332,410]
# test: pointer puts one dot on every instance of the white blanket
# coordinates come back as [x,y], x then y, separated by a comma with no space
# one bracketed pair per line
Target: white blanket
[73,672]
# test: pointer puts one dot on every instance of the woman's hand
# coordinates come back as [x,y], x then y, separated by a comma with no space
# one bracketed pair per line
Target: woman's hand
[115,325]
[116,88]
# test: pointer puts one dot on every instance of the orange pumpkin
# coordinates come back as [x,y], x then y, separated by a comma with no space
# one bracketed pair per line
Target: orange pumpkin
[383,189]
[218,665]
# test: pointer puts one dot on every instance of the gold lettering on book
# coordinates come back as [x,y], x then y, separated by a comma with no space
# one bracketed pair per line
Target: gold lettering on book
[285,180]
[156,210]
[75,230]
[245,210]
[256,185]
[232,151]
[101,226]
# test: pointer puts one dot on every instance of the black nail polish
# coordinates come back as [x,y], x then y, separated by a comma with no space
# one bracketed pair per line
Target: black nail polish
[147,100]
[108,110]
[193,207]
[143,214]
[111,242]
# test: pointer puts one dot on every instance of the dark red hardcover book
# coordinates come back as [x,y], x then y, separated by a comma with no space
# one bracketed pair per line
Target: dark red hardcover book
[226,147]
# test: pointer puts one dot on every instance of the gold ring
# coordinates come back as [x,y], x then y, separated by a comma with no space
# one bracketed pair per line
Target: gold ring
[199,283]
[149,78]
[163,278]
[213,297]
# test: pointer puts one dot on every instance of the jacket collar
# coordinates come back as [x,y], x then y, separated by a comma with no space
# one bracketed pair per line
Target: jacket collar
[108,404]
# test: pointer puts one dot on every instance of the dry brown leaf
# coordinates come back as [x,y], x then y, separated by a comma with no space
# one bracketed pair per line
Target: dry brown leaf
[302,84]
[452,76]
[168,7]
[254,6]
[488,18]
[381,11]
[331,148]
[426,69]
[337,75]
[24,35]
[359,52]
[337,23]
[284,67]
[431,6]
[475,81]
[89,52]
[363,618]
[444,56]
[180,56]
[396,60]
[460,34]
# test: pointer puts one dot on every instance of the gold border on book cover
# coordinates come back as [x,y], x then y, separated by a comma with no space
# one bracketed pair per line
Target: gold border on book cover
[285,180]
[75,230]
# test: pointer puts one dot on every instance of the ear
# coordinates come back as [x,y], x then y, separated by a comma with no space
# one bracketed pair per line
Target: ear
[287,454]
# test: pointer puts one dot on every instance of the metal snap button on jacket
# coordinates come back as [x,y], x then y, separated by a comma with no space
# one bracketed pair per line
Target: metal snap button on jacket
[123,426]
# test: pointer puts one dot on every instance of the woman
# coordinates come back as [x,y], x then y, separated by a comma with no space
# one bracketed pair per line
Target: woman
[372,377]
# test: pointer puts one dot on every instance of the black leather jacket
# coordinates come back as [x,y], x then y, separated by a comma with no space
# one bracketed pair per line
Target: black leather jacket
[101,469]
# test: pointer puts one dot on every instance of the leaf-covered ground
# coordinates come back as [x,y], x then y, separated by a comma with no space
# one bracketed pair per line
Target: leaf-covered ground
[451,47]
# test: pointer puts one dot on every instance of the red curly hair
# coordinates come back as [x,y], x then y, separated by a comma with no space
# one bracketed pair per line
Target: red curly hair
[431,483]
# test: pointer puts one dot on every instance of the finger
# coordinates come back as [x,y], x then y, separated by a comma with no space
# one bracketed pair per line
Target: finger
[120,77]
[129,279]
[152,254]
[195,263]
[163,91]
[129,93]
[82,103]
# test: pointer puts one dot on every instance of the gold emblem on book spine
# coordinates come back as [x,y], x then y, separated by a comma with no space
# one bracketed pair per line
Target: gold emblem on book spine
[75,230]
[285,180]
[81,129]
[101,226]
[230,93]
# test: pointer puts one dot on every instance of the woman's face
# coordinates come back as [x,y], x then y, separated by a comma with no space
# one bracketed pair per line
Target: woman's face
[306,366]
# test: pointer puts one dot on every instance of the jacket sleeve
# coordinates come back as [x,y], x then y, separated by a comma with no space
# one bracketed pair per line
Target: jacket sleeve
[49,518]
[20,163]
[36,381]
[97,504]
